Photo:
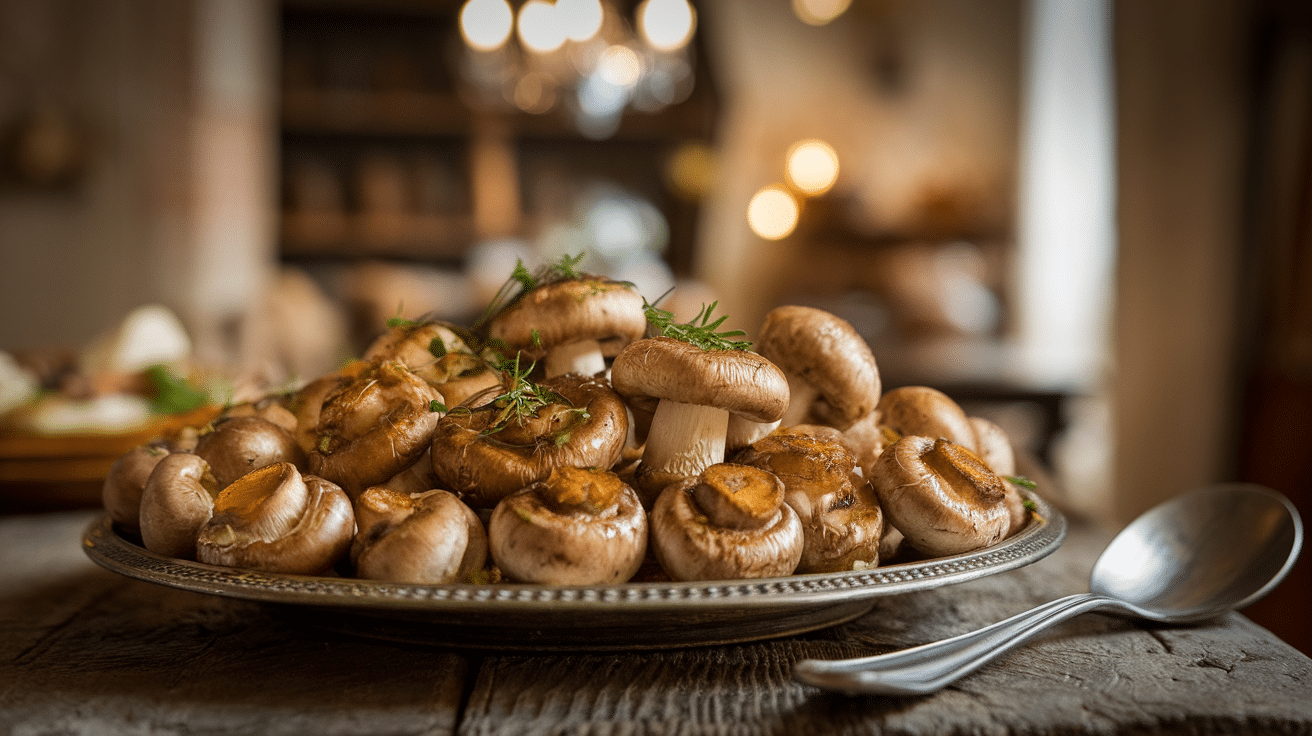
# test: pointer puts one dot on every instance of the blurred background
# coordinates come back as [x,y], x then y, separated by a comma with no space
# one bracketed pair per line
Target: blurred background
[1085,219]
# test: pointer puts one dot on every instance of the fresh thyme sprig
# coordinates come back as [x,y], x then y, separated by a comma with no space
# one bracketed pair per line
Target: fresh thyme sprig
[699,331]
[524,399]
[522,281]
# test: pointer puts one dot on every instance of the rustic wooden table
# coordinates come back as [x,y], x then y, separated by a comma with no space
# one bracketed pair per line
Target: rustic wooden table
[87,651]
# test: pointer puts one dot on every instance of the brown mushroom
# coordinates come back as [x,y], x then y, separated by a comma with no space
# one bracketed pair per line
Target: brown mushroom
[486,453]
[124,483]
[729,522]
[580,526]
[691,394]
[431,537]
[439,353]
[941,496]
[996,450]
[177,501]
[373,427]
[927,412]
[573,324]
[832,375]
[237,445]
[272,408]
[842,522]
[277,520]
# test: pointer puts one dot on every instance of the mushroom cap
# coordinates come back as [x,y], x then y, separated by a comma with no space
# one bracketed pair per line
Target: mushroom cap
[277,520]
[940,495]
[580,526]
[571,310]
[439,353]
[483,466]
[825,351]
[273,408]
[663,368]
[124,483]
[926,412]
[842,521]
[432,537]
[373,427]
[237,445]
[177,501]
[690,545]
[994,446]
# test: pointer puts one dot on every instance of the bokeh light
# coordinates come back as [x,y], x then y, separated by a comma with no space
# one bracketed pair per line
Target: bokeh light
[812,166]
[540,26]
[666,24]
[819,12]
[690,171]
[772,214]
[581,19]
[620,65]
[486,24]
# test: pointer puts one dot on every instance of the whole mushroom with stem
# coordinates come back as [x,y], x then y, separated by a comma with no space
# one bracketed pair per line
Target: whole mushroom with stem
[692,380]
[569,321]
[176,503]
[727,523]
[579,526]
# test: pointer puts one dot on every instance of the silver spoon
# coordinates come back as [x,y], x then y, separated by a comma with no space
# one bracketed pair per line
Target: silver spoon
[1195,557]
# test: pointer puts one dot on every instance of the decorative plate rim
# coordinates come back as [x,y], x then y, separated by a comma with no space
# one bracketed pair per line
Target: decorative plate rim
[1042,536]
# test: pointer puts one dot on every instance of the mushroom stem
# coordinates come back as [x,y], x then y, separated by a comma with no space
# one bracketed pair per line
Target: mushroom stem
[685,439]
[583,357]
[801,395]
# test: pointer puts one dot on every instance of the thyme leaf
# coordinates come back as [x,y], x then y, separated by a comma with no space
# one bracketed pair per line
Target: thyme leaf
[700,330]
[1021,481]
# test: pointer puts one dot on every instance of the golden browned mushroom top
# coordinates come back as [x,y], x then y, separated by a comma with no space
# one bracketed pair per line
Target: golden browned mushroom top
[234,446]
[438,352]
[431,537]
[927,412]
[831,372]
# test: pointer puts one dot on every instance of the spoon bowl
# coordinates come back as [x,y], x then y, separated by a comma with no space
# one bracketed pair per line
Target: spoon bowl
[1192,558]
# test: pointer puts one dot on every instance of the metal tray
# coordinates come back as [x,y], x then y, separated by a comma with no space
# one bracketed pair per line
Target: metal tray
[595,618]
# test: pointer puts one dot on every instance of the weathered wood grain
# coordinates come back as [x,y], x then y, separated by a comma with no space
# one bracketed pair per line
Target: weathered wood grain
[87,651]
[1095,674]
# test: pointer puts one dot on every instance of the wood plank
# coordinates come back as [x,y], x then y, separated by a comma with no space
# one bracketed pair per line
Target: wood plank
[1093,673]
[88,651]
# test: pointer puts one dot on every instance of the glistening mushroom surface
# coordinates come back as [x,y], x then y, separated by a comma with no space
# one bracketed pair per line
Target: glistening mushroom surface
[235,446]
[580,526]
[728,523]
[832,375]
[177,501]
[439,353]
[277,520]
[941,496]
[126,481]
[432,537]
[927,412]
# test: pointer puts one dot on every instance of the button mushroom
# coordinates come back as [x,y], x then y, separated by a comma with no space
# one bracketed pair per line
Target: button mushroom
[373,427]
[439,353]
[572,324]
[486,453]
[431,537]
[996,450]
[940,495]
[580,526]
[272,408]
[691,393]
[832,376]
[237,445]
[842,522]
[276,520]
[927,412]
[125,482]
[177,501]
[728,523]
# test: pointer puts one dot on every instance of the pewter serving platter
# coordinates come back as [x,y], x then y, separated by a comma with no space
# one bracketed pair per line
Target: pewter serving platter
[636,615]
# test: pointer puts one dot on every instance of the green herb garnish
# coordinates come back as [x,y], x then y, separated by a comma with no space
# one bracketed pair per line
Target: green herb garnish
[1021,481]
[1029,505]
[699,331]
[524,399]
[173,395]
[437,348]
[436,405]
[563,269]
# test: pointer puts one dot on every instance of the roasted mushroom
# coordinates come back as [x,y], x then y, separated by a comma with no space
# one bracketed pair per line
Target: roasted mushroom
[832,376]
[691,392]
[176,503]
[927,412]
[572,324]
[996,450]
[486,453]
[841,518]
[580,526]
[439,353]
[941,496]
[237,445]
[276,520]
[431,537]
[730,522]
[374,426]
[125,482]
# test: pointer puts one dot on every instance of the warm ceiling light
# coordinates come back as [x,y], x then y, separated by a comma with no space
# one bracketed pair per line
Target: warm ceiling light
[666,24]
[540,26]
[819,12]
[772,213]
[620,66]
[581,19]
[486,24]
[812,166]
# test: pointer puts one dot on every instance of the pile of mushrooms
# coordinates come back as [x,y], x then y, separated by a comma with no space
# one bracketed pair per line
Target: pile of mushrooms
[576,435]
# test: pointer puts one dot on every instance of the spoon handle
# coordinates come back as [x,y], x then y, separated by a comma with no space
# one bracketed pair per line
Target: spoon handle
[930,667]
